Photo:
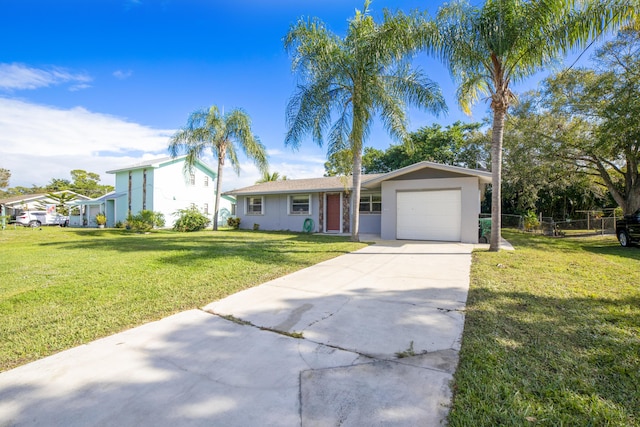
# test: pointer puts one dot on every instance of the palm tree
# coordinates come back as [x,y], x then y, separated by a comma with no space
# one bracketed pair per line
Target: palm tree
[487,49]
[356,77]
[270,177]
[208,129]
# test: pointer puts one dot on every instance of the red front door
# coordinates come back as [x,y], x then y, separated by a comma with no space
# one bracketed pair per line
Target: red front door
[333,212]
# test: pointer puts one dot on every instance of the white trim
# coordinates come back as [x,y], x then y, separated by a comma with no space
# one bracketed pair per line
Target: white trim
[370,194]
[290,202]
[246,205]
[326,214]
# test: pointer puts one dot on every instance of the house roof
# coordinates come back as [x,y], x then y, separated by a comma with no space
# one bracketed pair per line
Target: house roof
[99,200]
[288,186]
[485,177]
[160,162]
[25,198]
[22,198]
[153,163]
[340,183]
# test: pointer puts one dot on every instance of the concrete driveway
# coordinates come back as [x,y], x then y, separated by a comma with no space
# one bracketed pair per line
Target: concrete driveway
[368,338]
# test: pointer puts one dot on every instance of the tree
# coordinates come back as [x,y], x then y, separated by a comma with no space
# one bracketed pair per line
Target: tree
[85,183]
[458,144]
[5,174]
[208,129]
[356,77]
[19,190]
[339,163]
[535,175]
[57,184]
[589,119]
[61,200]
[487,49]
[270,177]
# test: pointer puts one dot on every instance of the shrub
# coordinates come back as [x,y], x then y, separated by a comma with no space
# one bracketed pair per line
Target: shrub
[256,227]
[233,222]
[101,219]
[531,221]
[190,220]
[145,221]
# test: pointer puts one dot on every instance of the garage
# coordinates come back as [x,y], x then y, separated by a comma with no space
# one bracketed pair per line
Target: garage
[429,215]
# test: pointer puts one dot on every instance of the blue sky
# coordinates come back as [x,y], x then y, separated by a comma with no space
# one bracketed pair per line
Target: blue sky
[101,84]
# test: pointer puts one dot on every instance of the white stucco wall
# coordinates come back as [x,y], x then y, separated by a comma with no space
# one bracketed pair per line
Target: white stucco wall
[168,189]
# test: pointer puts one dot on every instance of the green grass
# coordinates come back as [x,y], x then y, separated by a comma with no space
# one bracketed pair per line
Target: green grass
[552,336]
[63,287]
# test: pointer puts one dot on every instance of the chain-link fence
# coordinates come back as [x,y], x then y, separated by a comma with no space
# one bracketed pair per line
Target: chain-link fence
[602,225]
[593,224]
[509,221]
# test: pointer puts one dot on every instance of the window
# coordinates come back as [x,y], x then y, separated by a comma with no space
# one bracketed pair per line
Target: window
[192,179]
[254,206]
[206,180]
[370,203]
[206,208]
[300,204]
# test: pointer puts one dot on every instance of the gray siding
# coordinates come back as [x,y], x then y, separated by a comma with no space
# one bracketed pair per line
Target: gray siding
[276,214]
[370,223]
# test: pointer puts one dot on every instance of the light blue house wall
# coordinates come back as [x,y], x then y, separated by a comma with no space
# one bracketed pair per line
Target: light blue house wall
[137,202]
[162,186]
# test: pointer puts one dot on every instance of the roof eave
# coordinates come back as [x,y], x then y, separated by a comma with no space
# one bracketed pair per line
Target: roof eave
[482,175]
[292,191]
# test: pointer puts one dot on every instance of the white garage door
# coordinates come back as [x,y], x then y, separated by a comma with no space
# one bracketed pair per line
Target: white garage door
[429,215]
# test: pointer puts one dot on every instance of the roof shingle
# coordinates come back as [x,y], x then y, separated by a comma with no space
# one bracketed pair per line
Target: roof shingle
[330,183]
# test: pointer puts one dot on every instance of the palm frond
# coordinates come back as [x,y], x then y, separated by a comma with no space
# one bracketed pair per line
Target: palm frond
[339,133]
[209,130]
[308,111]
[239,130]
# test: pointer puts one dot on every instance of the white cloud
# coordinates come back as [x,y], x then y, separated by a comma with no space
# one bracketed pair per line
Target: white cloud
[122,75]
[21,77]
[249,173]
[40,142]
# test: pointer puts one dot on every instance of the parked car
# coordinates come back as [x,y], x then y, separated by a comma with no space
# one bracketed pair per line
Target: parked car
[628,229]
[38,218]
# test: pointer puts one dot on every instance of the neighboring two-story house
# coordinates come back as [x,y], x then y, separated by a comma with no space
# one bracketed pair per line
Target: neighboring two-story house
[158,185]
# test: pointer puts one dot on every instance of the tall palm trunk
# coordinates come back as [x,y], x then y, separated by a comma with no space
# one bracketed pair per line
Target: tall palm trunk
[222,152]
[355,196]
[499,113]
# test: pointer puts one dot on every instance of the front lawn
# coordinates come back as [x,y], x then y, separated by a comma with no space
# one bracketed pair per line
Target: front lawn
[63,287]
[552,335]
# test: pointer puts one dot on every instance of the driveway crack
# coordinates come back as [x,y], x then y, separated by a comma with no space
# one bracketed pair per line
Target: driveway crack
[330,314]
